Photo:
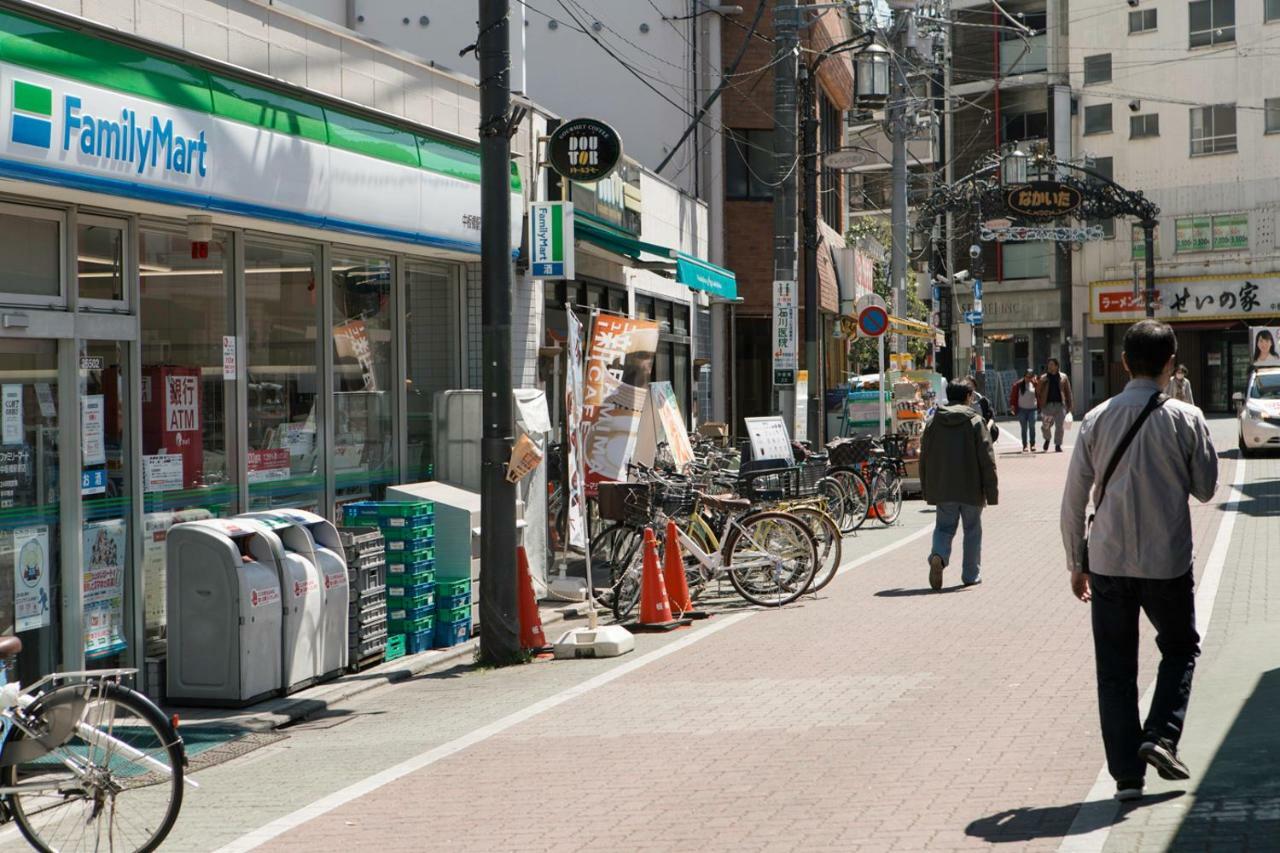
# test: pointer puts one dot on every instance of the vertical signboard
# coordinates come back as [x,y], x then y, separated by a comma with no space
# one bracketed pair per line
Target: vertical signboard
[551,239]
[104,589]
[573,414]
[784,333]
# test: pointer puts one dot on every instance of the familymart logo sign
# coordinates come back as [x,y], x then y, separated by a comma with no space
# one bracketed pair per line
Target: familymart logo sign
[551,239]
[147,144]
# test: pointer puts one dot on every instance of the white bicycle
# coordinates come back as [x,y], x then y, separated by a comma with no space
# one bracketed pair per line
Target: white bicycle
[86,764]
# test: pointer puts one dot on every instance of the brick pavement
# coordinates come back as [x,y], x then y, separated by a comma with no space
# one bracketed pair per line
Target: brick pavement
[879,717]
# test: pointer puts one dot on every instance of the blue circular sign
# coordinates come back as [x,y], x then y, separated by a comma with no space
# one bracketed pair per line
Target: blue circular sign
[873,321]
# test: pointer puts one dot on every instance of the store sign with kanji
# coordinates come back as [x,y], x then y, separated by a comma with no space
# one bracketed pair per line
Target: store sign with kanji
[1043,199]
[1224,298]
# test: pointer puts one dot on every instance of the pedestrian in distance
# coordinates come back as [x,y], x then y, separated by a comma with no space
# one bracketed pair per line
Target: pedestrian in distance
[1134,553]
[958,478]
[1025,403]
[982,406]
[1180,387]
[1055,401]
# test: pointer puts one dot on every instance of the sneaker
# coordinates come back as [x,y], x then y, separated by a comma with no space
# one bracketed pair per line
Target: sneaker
[973,583]
[1024,448]
[1161,755]
[1046,445]
[1057,448]
[935,572]
[1128,790]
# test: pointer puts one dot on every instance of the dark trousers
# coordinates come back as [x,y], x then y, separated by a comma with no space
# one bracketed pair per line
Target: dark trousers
[1170,605]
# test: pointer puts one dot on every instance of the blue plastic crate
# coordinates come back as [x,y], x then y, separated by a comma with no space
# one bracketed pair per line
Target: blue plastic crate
[448,602]
[418,625]
[420,641]
[453,633]
[402,579]
[420,593]
[405,613]
[416,543]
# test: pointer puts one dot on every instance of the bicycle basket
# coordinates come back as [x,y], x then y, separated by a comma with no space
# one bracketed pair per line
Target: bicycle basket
[674,499]
[895,446]
[849,452]
[768,480]
[809,474]
[623,501]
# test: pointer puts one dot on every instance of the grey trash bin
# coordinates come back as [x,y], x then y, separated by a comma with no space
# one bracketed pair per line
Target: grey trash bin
[224,614]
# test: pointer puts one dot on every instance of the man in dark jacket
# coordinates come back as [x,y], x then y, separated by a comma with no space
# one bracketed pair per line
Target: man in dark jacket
[958,477]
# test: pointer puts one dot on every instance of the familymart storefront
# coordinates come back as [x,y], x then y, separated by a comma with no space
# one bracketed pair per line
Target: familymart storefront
[215,296]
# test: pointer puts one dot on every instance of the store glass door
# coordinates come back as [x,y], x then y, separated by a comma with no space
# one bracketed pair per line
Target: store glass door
[30,551]
[106,489]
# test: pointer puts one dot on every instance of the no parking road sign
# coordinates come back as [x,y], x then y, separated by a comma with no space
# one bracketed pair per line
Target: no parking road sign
[873,321]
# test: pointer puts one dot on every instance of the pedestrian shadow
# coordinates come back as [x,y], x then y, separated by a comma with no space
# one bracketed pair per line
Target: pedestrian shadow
[901,592]
[1025,824]
[1259,499]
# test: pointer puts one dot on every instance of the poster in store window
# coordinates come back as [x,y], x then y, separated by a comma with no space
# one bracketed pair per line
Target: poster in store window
[619,364]
[1193,234]
[268,465]
[92,437]
[1263,342]
[181,403]
[11,413]
[351,340]
[1231,232]
[162,472]
[104,555]
[44,394]
[30,578]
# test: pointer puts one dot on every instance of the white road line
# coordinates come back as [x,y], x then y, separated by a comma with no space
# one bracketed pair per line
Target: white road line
[256,838]
[1100,809]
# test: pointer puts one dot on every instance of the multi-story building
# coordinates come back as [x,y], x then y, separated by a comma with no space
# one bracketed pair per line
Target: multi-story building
[1182,102]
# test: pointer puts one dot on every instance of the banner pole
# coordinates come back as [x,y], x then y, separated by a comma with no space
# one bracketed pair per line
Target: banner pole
[880,348]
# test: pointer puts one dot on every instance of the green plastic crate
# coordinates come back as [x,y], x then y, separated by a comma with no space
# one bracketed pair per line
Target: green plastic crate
[453,614]
[412,626]
[395,647]
[453,586]
[401,558]
[414,578]
[421,530]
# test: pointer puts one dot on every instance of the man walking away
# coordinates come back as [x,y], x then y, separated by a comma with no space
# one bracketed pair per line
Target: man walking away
[1180,386]
[1024,402]
[958,477]
[1054,397]
[1142,455]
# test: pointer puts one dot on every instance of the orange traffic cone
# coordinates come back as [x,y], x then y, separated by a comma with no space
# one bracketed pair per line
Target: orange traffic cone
[655,609]
[673,572]
[531,637]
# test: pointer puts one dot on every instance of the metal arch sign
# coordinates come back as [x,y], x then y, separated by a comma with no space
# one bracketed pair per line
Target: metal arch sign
[1044,199]
[873,321]
[584,150]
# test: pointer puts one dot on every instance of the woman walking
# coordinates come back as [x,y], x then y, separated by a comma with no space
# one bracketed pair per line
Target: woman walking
[1024,400]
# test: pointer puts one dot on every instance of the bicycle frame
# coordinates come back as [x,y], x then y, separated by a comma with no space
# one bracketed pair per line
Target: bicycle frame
[714,563]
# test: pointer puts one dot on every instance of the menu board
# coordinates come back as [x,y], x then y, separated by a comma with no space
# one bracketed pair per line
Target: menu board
[769,439]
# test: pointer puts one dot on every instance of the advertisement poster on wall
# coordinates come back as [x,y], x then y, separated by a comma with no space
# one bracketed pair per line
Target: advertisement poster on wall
[1262,341]
[104,589]
[573,408]
[619,364]
[30,578]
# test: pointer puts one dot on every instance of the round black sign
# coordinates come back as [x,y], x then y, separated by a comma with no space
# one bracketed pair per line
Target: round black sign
[1043,198]
[584,149]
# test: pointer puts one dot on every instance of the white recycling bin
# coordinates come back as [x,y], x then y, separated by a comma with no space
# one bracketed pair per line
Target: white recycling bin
[302,593]
[224,614]
[327,553]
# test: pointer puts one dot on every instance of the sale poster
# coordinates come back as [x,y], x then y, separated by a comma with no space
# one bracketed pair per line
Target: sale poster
[92,436]
[268,465]
[30,578]
[11,414]
[104,555]
[162,472]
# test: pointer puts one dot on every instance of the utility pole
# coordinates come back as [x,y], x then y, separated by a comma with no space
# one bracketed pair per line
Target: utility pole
[809,162]
[499,624]
[786,39]
[899,93]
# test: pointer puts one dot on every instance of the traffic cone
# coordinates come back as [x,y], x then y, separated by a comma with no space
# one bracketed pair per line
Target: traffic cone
[655,608]
[676,583]
[531,637]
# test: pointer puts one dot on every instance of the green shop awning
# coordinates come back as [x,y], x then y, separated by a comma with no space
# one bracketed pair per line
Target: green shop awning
[600,233]
[702,275]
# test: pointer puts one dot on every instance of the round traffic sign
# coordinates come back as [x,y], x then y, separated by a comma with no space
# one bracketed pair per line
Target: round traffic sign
[873,321]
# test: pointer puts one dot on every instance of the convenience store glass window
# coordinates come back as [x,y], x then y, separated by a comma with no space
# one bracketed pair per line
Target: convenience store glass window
[100,259]
[31,245]
[188,408]
[434,359]
[286,452]
[364,458]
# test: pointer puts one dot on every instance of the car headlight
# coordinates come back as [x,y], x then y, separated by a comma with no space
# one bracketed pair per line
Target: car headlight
[1253,414]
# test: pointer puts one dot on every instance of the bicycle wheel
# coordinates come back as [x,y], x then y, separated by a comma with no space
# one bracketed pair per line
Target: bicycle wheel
[834,501]
[627,575]
[857,498]
[127,789]
[886,494]
[770,557]
[830,542]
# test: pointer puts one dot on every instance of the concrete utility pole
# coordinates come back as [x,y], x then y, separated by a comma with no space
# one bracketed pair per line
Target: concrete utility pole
[786,40]
[499,624]
[899,93]
[809,162]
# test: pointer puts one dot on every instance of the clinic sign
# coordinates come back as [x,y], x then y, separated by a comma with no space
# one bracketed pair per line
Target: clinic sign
[551,240]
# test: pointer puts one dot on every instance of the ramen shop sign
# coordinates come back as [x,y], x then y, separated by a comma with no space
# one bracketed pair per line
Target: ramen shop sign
[1043,198]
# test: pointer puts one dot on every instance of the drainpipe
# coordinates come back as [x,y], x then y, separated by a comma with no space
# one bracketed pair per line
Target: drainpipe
[351,14]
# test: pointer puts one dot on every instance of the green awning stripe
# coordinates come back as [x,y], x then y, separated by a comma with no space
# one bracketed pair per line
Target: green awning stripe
[51,49]
[615,240]
[706,276]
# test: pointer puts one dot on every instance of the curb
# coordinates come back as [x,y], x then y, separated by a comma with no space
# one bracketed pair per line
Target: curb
[276,713]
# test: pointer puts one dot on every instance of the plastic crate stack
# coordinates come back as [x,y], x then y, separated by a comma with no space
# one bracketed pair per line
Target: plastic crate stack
[409,531]
[366,574]
[453,611]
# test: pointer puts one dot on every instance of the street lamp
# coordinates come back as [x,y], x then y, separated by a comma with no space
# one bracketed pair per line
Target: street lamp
[871,79]
[1013,167]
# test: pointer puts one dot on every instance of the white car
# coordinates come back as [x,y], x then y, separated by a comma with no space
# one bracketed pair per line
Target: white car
[1260,412]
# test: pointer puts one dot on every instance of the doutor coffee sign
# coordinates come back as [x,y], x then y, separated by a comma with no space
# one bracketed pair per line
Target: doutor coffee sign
[584,149]
[1042,198]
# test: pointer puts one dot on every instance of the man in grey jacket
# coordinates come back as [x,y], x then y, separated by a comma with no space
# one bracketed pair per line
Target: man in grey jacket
[1139,553]
[958,477]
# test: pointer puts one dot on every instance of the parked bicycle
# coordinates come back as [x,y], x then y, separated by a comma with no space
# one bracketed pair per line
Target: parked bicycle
[87,764]
[871,472]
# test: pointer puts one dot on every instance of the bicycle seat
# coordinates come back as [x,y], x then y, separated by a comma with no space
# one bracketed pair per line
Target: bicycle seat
[725,503]
[10,647]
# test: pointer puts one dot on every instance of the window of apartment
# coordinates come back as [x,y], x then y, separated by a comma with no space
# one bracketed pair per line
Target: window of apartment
[1213,129]
[1212,22]
[1023,126]
[1144,126]
[1105,167]
[1097,119]
[831,136]
[749,166]
[1271,11]
[1271,114]
[1144,20]
[1097,68]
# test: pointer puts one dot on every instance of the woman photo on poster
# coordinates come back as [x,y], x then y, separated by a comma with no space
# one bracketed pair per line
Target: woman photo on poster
[1264,349]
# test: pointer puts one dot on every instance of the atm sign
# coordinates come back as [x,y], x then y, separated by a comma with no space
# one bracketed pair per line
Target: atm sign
[181,404]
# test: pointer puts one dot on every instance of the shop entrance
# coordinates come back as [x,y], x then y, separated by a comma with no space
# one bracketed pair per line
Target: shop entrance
[1225,367]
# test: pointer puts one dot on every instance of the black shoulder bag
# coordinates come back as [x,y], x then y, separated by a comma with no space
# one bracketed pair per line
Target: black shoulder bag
[1157,400]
